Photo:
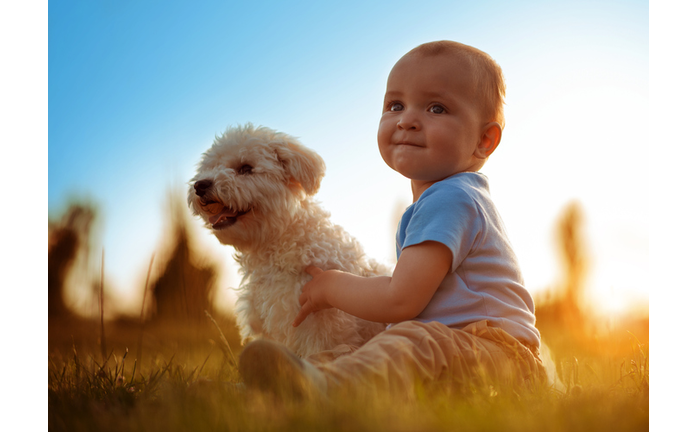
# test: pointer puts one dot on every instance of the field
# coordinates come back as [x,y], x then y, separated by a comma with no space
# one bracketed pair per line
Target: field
[186,379]
[175,370]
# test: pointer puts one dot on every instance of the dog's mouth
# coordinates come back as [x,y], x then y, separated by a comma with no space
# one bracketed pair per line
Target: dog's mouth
[221,217]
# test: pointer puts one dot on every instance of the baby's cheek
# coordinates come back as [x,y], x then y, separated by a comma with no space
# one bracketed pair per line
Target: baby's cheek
[385,132]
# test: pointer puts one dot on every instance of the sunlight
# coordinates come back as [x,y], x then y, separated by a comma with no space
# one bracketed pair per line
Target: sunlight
[612,303]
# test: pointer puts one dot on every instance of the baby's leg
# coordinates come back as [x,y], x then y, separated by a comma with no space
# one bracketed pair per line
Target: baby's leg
[414,352]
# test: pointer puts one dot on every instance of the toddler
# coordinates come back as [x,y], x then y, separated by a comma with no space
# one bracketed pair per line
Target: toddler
[456,300]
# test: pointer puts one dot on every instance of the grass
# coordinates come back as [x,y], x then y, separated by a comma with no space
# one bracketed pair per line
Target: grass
[182,376]
[187,380]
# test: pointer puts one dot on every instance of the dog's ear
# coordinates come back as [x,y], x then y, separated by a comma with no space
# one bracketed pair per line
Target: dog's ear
[302,165]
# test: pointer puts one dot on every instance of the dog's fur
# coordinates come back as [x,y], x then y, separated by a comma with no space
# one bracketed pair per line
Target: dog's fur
[253,190]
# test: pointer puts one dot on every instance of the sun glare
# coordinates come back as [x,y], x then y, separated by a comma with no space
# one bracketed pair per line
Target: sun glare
[612,303]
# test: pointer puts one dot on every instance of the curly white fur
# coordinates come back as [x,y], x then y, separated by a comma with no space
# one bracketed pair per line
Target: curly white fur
[253,190]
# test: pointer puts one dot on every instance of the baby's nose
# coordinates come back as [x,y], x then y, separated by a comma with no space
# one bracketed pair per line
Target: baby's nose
[408,122]
[201,186]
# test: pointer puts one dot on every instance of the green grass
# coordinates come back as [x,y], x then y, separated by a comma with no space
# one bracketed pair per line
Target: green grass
[187,381]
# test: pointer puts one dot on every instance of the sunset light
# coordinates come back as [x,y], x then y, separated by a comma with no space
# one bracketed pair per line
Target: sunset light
[142,296]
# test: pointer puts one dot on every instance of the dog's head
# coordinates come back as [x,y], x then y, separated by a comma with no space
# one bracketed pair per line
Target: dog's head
[250,183]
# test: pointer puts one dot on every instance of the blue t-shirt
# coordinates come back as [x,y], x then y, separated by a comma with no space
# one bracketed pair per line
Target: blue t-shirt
[484,282]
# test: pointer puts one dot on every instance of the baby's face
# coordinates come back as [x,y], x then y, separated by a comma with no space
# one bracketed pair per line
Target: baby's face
[430,123]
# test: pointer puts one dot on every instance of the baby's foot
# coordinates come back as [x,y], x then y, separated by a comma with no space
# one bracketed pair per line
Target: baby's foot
[270,366]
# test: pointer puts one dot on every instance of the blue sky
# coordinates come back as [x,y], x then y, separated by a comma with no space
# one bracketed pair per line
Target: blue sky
[138,90]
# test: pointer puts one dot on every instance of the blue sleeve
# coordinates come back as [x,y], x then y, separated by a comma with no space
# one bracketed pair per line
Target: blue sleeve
[447,215]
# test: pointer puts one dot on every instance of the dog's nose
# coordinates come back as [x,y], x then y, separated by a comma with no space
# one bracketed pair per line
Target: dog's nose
[201,186]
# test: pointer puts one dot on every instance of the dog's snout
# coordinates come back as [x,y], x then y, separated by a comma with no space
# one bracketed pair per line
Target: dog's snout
[201,186]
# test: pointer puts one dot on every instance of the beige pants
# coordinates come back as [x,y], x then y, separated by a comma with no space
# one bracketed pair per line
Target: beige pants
[412,352]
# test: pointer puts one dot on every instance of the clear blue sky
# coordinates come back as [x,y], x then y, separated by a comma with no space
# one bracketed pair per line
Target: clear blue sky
[137,91]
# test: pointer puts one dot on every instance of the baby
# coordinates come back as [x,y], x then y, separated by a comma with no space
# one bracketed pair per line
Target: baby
[456,300]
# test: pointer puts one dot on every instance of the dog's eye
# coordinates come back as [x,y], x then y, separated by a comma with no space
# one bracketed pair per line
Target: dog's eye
[245,169]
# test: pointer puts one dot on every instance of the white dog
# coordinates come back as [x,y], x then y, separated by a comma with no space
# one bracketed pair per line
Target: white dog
[253,190]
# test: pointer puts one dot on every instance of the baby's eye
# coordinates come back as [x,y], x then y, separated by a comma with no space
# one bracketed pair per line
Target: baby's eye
[437,109]
[396,106]
[245,169]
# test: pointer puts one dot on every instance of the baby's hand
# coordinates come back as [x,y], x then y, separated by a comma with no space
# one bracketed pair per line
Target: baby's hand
[313,297]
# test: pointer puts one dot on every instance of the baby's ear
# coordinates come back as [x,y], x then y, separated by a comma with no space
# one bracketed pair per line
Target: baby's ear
[302,165]
[489,140]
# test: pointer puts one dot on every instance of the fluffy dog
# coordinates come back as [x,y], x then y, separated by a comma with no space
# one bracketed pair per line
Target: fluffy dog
[253,189]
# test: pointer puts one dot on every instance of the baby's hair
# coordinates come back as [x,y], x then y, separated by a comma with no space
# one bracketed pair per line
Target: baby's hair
[490,83]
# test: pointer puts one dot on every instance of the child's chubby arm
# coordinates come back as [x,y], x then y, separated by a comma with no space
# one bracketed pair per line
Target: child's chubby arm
[418,273]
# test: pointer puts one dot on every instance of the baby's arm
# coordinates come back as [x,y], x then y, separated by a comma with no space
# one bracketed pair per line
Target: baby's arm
[418,273]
